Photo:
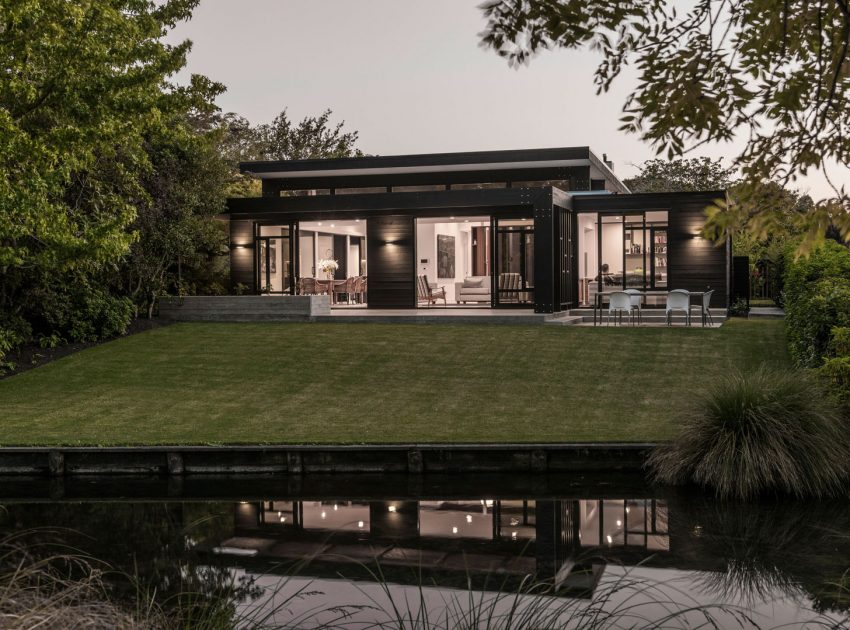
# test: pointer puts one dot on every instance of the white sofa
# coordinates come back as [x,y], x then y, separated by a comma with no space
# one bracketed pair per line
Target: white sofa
[473,289]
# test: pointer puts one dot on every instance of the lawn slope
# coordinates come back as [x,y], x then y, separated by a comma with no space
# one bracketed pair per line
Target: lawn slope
[355,383]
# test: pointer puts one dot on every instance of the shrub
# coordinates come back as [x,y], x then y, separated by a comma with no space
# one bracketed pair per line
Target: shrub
[14,332]
[836,366]
[768,431]
[839,343]
[740,308]
[817,299]
[836,371]
[84,313]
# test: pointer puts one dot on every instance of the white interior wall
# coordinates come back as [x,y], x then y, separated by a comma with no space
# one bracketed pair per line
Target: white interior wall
[426,248]
[353,260]
[306,256]
[588,267]
[612,246]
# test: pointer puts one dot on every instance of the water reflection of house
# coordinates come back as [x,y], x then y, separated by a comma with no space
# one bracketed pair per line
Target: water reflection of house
[563,540]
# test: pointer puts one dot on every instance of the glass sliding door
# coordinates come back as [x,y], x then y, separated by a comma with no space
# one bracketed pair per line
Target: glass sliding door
[635,252]
[611,261]
[658,238]
[514,261]
[622,251]
[275,273]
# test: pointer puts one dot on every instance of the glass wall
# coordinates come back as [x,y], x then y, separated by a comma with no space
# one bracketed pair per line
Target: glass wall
[617,252]
[274,259]
[453,261]
[515,261]
[342,241]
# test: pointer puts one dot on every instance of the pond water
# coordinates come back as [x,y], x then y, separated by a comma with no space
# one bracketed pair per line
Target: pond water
[446,552]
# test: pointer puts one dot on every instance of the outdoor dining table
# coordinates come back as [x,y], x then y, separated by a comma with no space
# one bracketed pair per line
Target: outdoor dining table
[598,299]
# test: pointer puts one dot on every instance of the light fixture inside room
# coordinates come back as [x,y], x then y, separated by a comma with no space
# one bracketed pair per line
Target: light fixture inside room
[360,524]
[391,508]
[454,530]
[319,223]
[357,220]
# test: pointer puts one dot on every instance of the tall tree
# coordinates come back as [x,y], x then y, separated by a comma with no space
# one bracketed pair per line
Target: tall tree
[776,73]
[313,137]
[681,175]
[85,87]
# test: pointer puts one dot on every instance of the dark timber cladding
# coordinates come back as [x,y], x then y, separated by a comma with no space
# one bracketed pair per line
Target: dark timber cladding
[242,252]
[390,250]
[694,263]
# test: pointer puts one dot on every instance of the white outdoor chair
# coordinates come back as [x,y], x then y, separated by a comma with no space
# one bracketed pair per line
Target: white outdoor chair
[705,309]
[678,300]
[637,299]
[618,302]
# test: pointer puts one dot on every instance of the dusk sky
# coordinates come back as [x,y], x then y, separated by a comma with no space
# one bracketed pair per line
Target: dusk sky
[410,77]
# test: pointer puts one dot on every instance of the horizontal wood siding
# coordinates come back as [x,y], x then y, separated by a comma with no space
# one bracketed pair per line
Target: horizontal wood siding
[242,258]
[390,259]
[695,263]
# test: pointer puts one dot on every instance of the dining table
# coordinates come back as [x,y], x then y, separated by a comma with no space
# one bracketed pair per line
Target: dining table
[644,293]
[324,286]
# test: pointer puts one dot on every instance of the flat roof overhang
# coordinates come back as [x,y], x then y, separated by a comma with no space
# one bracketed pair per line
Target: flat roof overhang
[643,201]
[528,164]
[396,203]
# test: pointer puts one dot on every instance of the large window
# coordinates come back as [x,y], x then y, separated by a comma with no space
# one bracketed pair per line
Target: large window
[453,261]
[621,251]
[273,264]
[343,241]
[515,262]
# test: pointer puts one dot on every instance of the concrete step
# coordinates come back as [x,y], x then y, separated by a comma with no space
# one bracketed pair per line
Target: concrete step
[766,312]
[564,320]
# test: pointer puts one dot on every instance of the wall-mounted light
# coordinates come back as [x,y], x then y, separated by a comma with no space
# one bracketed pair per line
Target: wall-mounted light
[241,246]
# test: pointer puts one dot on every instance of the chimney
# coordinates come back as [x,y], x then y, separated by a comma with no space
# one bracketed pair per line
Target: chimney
[608,162]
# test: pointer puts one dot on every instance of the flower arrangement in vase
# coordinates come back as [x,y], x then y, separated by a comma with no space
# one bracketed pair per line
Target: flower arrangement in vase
[328,266]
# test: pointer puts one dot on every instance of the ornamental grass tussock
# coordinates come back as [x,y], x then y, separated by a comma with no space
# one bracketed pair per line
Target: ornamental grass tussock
[768,431]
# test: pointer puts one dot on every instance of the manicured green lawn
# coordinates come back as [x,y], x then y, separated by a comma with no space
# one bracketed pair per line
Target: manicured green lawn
[354,383]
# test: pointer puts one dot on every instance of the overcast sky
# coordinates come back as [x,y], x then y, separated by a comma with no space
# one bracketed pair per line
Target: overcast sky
[410,77]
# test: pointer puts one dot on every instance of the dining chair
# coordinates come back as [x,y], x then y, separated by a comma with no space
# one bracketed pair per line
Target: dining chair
[618,302]
[637,300]
[678,300]
[342,287]
[308,286]
[705,309]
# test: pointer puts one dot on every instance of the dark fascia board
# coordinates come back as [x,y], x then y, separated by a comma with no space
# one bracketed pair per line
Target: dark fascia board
[250,207]
[330,180]
[644,201]
[421,159]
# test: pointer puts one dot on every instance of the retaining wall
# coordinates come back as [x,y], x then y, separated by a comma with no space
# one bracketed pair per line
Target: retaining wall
[243,308]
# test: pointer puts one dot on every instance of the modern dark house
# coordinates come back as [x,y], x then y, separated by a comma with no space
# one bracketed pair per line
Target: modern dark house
[546,229]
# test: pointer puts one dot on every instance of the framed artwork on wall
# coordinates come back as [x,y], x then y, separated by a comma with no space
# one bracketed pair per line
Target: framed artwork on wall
[445,256]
